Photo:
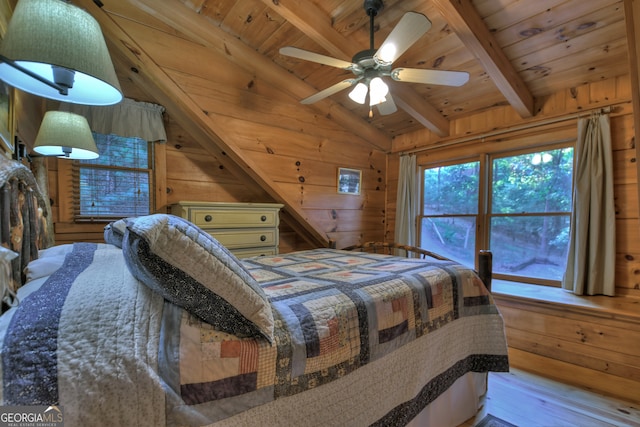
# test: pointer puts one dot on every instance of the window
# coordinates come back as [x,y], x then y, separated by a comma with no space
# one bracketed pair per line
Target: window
[118,183]
[529,214]
[524,218]
[450,210]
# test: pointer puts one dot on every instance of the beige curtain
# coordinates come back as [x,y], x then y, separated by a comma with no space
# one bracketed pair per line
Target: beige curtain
[128,118]
[591,259]
[407,203]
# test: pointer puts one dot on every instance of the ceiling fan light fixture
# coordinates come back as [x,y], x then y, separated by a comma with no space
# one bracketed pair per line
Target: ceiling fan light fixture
[359,93]
[371,64]
[378,91]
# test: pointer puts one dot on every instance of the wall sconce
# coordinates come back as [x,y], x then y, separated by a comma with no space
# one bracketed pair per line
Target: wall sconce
[56,50]
[65,135]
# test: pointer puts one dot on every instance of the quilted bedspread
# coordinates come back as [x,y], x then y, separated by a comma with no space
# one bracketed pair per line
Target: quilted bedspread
[110,351]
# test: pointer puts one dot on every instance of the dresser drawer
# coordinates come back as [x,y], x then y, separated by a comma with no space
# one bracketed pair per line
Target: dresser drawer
[238,239]
[232,218]
[246,253]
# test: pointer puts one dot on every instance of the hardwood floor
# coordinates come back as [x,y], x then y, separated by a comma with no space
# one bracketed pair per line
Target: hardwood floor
[528,400]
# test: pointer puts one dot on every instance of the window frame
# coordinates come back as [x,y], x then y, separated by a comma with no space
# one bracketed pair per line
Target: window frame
[149,170]
[484,216]
[479,216]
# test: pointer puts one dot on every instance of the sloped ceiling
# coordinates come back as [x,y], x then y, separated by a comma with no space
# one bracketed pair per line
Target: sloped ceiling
[515,51]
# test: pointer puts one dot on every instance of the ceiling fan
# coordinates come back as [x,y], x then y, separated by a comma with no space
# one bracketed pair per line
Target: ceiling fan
[371,65]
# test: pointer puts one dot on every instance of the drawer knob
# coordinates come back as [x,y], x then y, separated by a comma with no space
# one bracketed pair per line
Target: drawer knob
[263,218]
[208,218]
[263,238]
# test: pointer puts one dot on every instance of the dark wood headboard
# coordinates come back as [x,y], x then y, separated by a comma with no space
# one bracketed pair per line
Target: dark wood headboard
[23,217]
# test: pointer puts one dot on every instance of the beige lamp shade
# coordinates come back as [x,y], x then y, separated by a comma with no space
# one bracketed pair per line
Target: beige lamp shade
[65,135]
[60,43]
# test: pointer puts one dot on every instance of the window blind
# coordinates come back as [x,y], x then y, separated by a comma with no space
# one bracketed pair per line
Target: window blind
[115,185]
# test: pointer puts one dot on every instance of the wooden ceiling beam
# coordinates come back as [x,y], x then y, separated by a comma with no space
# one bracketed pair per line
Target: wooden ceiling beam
[469,26]
[310,20]
[415,106]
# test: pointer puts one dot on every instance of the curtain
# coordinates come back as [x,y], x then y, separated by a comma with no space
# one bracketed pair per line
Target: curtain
[407,204]
[591,258]
[128,118]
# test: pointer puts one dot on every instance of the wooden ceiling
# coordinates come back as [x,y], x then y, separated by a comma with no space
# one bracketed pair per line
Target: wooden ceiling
[515,51]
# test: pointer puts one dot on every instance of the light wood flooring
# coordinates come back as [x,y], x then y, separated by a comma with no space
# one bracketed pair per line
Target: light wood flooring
[528,400]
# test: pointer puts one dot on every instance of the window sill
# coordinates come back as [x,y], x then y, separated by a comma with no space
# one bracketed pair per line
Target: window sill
[620,307]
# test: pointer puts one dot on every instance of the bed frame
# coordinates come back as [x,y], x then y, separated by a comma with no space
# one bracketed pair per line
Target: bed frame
[485,260]
[23,217]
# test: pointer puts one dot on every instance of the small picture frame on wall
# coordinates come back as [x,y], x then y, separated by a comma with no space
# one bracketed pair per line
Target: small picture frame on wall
[6,118]
[349,181]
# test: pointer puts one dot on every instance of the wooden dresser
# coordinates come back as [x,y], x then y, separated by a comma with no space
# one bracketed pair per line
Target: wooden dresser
[246,229]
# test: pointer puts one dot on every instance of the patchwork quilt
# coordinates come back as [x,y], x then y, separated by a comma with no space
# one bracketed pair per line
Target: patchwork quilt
[358,336]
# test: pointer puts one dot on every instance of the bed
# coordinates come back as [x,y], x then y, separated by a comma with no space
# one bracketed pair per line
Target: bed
[161,325]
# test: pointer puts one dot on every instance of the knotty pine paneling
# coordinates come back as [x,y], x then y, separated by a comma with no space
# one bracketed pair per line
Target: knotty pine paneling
[626,201]
[602,342]
[611,92]
[628,274]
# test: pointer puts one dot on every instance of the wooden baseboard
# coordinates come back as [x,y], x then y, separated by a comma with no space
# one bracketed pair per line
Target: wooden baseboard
[597,381]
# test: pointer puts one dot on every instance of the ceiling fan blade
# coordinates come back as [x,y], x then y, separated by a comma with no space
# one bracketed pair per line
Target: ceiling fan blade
[387,107]
[434,77]
[316,57]
[329,91]
[410,28]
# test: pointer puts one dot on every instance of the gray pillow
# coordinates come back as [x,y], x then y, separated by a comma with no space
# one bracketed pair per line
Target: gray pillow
[193,270]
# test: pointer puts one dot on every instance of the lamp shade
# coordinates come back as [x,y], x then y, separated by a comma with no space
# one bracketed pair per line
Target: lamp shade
[378,91]
[66,135]
[359,93]
[52,36]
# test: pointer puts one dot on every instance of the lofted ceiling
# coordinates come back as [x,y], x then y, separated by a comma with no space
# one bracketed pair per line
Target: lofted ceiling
[515,51]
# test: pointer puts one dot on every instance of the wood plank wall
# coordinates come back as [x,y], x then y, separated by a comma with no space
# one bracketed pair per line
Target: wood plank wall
[192,174]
